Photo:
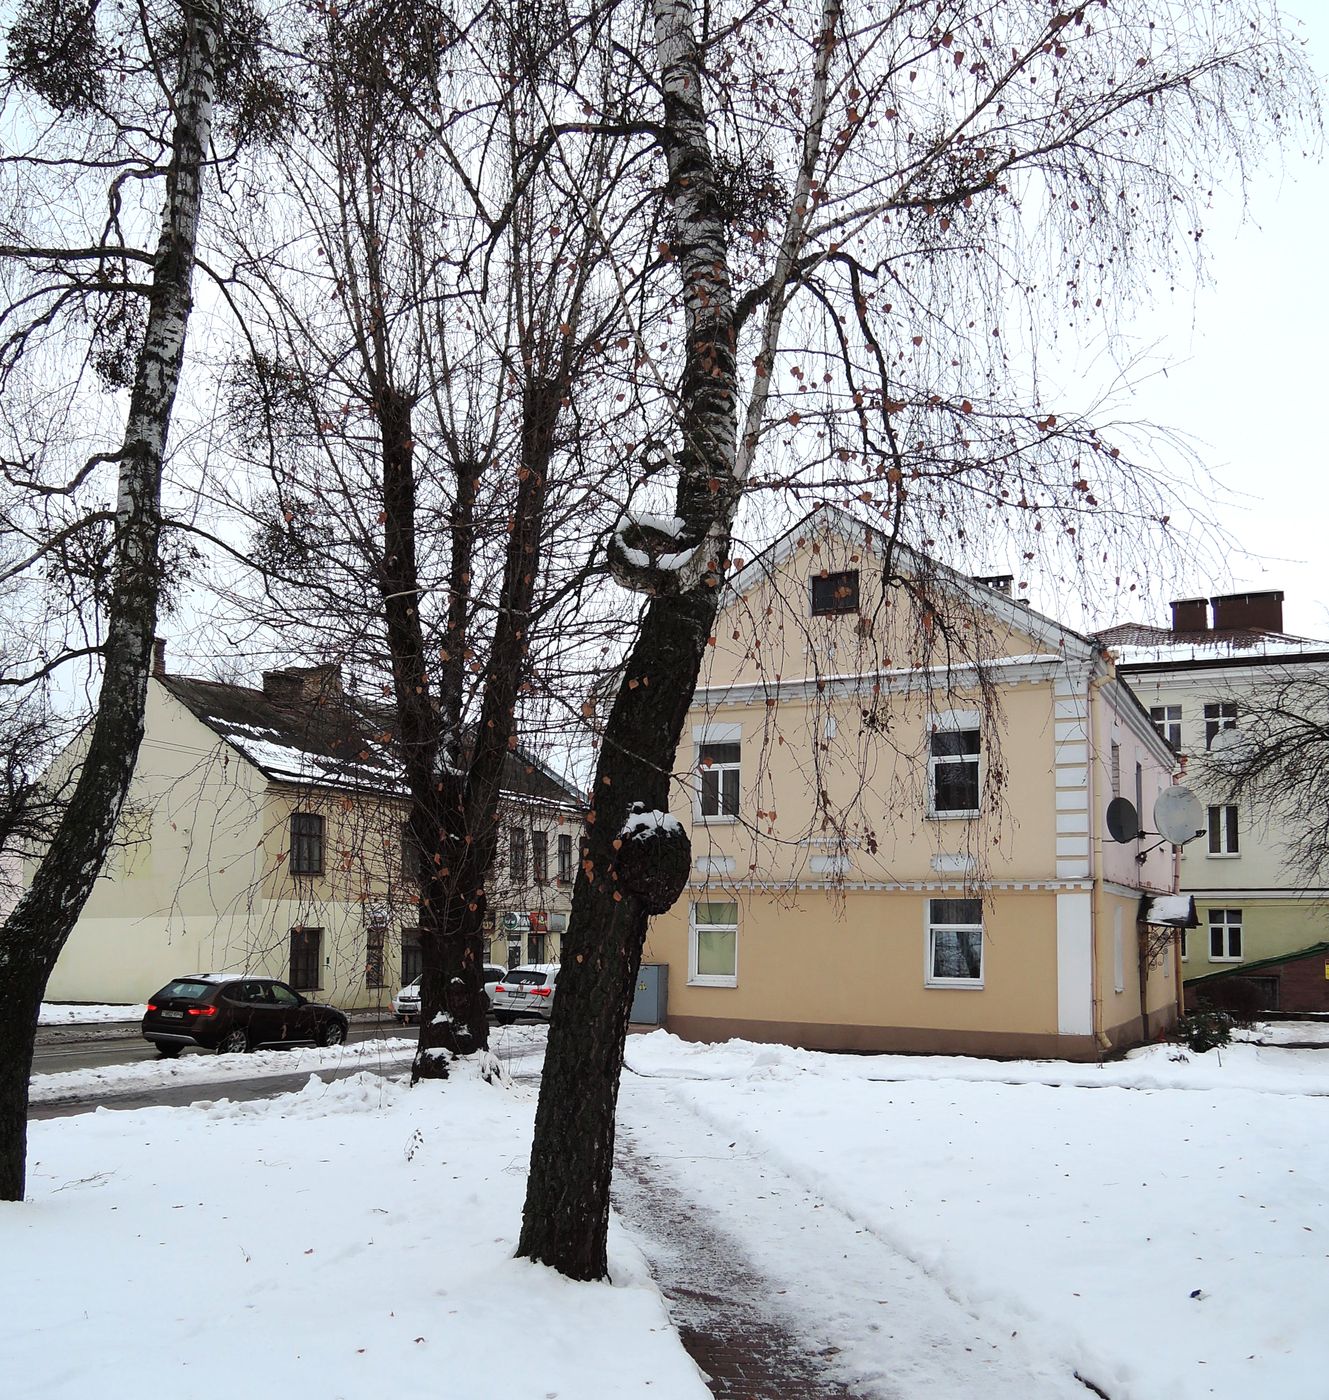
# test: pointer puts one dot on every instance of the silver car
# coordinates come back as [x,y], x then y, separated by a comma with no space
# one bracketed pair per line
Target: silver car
[406,1004]
[525,991]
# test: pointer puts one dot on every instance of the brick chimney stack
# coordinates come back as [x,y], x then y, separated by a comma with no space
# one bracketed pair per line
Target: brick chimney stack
[1238,612]
[1190,615]
[296,686]
[159,657]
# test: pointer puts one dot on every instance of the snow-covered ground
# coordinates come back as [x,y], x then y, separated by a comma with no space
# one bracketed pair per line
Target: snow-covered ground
[1157,1225]
[63,1013]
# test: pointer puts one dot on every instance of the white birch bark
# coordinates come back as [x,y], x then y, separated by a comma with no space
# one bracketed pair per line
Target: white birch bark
[33,935]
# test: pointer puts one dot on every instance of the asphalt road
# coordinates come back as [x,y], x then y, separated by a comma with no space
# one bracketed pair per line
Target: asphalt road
[61,1048]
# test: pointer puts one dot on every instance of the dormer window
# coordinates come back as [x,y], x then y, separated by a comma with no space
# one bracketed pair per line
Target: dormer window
[835,593]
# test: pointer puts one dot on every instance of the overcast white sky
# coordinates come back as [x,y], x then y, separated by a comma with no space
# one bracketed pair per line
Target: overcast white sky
[1246,376]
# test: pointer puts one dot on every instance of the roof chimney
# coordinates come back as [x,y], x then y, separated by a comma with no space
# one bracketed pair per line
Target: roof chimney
[303,685]
[159,657]
[1190,615]
[999,583]
[1235,612]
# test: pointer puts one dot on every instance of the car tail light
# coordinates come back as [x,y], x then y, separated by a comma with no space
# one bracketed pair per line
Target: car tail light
[202,1010]
[152,1006]
[500,988]
[542,991]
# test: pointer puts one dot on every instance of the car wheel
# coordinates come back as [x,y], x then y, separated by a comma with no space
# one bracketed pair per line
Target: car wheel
[504,1018]
[234,1042]
[169,1052]
[334,1033]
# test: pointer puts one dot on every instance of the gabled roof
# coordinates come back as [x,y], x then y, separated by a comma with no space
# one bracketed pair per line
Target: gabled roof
[829,519]
[330,739]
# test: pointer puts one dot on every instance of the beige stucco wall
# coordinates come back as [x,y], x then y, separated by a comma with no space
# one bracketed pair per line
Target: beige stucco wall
[834,852]
[177,891]
[860,959]
[200,879]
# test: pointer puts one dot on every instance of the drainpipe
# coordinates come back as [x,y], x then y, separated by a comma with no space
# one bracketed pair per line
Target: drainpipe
[1095,837]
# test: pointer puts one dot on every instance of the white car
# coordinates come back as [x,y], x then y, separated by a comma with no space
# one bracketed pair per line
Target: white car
[525,991]
[406,1004]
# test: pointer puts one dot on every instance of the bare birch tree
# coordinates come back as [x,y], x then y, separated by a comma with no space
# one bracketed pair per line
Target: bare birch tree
[154,125]
[950,185]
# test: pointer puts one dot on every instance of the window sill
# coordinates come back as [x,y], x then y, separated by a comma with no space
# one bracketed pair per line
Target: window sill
[953,984]
[712,981]
[967,814]
[1222,855]
[1237,959]
[703,820]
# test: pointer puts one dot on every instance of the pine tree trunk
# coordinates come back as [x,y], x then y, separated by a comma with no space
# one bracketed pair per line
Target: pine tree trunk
[36,930]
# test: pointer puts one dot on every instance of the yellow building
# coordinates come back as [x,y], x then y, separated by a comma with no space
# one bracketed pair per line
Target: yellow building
[264,832]
[896,796]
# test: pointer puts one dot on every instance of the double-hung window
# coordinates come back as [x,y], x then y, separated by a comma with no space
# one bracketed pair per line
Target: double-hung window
[1217,717]
[1167,720]
[713,945]
[306,843]
[540,857]
[1225,935]
[306,958]
[953,784]
[564,859]
[1224,838]
[517,855]
[719,772]
[955,943]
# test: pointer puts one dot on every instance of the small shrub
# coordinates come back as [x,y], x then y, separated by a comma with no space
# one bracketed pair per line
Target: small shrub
[1204,1030]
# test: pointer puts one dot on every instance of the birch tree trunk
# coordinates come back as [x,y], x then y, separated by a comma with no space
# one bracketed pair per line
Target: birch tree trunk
[35,932]
[566,1217]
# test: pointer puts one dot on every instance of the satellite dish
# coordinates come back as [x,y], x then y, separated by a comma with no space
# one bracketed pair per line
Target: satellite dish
[1228,741]
[1123,821]
[1178,815]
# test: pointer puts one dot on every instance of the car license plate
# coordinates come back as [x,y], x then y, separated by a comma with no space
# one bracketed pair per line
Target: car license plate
[174,1015]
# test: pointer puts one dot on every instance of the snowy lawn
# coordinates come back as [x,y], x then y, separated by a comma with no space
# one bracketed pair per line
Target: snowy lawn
[1158,1225]
[354,1240]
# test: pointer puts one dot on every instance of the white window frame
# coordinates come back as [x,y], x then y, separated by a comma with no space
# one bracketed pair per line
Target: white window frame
[710,979]
[953,722]
[931,929]
[704,735]
[1167,720]
[1224,829]
[1229,921]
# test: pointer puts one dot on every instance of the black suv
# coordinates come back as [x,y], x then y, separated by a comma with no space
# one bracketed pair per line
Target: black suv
[231,1012]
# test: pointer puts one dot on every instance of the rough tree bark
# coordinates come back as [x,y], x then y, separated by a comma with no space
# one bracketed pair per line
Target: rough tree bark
[566,1217]
[36,930]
